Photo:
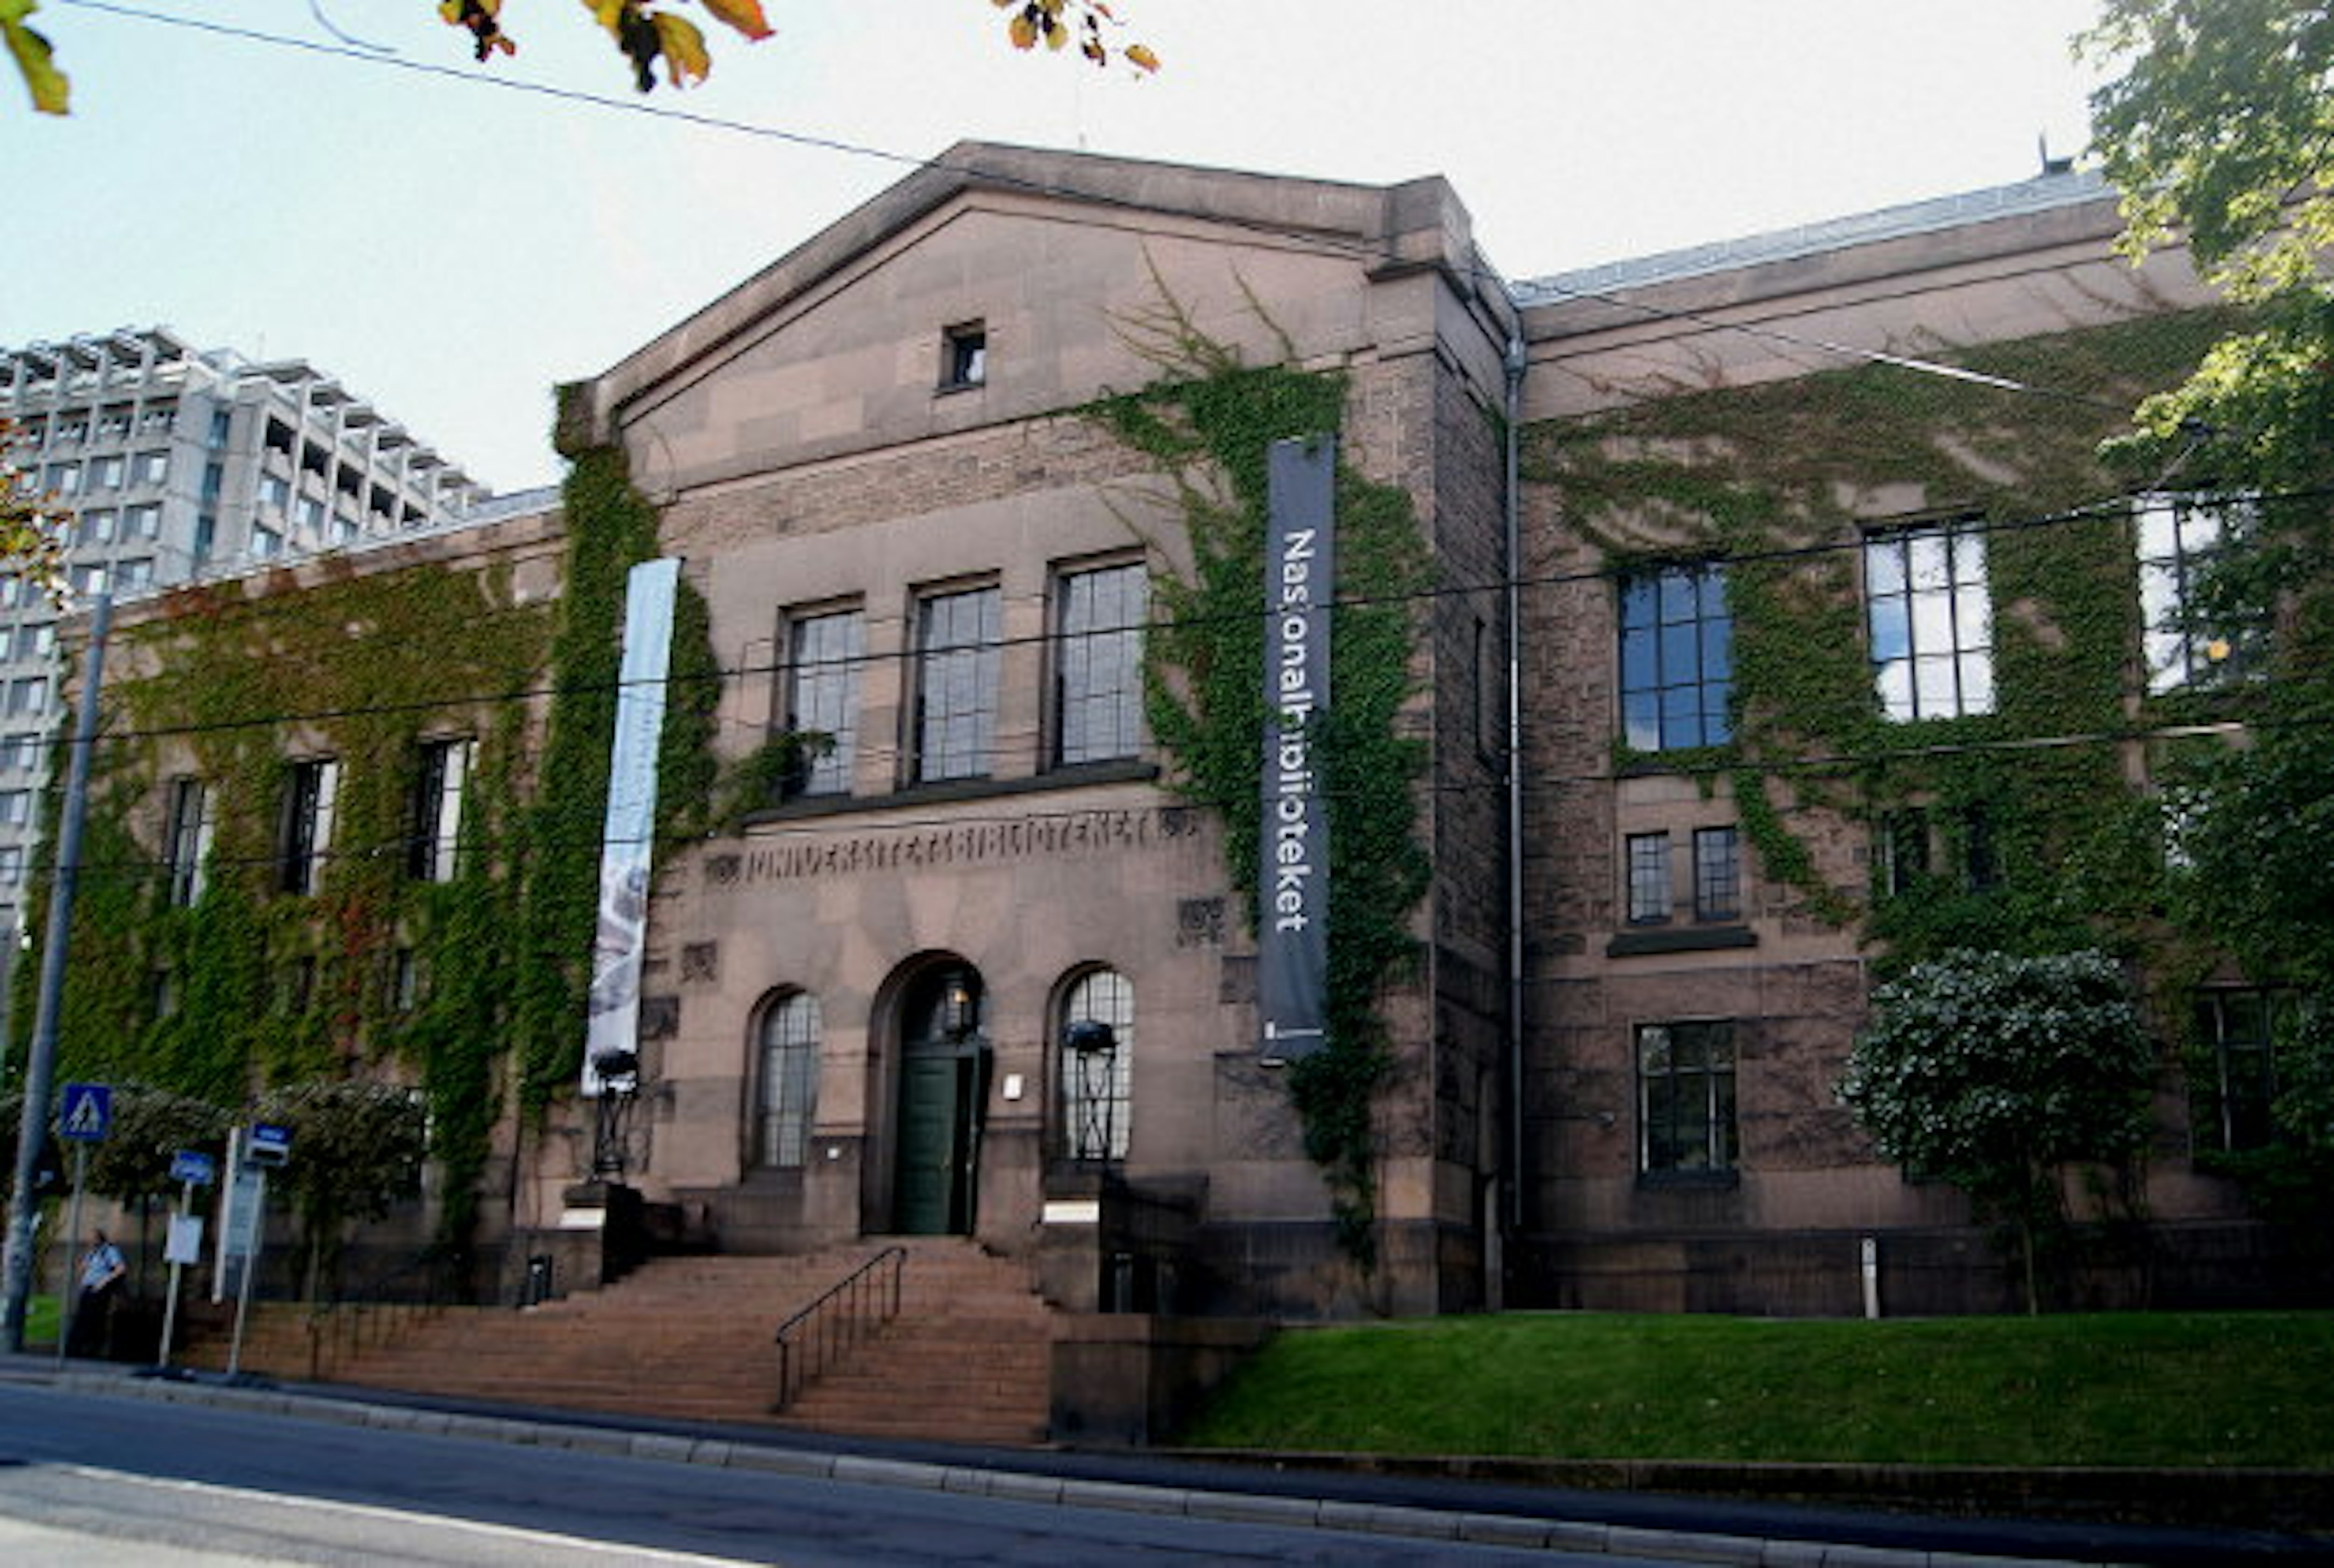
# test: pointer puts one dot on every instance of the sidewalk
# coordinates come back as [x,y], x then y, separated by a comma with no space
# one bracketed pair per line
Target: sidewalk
[1487,1502]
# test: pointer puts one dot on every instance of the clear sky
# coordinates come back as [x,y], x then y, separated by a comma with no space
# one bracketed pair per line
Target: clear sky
[452,251]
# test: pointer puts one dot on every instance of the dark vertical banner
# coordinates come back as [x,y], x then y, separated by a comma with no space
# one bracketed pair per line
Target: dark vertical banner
[1292,963]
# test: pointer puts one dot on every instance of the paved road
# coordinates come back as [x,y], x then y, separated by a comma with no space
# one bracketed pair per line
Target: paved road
[100,1480]
[195,1475]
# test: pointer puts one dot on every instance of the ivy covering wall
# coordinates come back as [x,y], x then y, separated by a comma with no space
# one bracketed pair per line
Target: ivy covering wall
[2045,846]
[470,988]
[1208,423]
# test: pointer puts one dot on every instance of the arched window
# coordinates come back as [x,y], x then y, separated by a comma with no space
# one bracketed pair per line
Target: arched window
[789,1081]
[1093,1071]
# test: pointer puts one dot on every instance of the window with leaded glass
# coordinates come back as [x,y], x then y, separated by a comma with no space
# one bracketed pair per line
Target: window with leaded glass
[2236,1081]
[1677,659]
[1098,663]
[957,639]
[1685,1096]
[2179,538]
[1931,621]
[1717,874]
[789,1085]
[1649,878]
[824,656]
[1094,1071]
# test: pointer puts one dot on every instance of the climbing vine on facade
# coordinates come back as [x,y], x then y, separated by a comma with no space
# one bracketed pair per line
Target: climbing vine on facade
[1208,423]
[2039,847]
[222,983]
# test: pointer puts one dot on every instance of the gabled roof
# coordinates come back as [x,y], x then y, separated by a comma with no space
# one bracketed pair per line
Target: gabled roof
[1416,223]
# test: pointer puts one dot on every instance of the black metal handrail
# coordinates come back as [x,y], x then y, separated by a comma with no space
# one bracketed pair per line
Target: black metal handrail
[851,1309]
[374,1312]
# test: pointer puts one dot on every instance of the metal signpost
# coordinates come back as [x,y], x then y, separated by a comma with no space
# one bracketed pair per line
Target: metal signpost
[191,1169]
[85,1117]
[252,1152]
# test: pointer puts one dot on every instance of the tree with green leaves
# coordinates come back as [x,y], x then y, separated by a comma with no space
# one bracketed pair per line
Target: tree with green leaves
[652,36]
[1999,1073]
[357,1150]
[2220,134]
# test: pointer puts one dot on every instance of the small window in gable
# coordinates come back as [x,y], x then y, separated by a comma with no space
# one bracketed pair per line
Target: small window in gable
[964,356]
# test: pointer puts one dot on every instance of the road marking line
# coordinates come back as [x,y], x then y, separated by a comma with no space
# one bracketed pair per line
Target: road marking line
[629,1552]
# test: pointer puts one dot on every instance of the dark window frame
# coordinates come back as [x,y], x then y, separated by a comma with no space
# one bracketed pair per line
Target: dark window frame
[1675,658]
[957,670]
[1687,1107]
[1100,611]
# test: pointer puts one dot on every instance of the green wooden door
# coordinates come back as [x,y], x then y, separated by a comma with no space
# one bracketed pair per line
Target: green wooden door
[931,1124]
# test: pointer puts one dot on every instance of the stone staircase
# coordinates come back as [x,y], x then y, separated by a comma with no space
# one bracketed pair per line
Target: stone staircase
[969,1358]
[691,1338]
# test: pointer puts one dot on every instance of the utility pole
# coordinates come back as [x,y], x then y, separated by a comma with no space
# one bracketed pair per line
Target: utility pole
[41,1059]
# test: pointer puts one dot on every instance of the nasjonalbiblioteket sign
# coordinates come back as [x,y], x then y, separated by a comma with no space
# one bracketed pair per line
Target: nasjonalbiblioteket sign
[1293,874]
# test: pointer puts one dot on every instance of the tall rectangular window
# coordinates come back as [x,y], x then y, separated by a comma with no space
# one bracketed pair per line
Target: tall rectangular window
[309,801]
[1677,659]
[2229,1099]
[1649,878]
[1685,1096]
[958,637]
[439,786]
[1717,874]
[2179,536]
[789,1087]
[186,844]
[1098,663]
[1932,622]
[1901,850]
[823,697]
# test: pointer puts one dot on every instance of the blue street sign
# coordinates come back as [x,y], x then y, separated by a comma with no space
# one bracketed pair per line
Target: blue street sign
[268,1144]
[87,1112]
[193,1165]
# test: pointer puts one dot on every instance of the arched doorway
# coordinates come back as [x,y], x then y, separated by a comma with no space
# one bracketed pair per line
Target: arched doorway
[944,1084]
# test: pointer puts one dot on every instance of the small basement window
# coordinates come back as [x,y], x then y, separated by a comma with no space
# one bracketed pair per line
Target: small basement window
[964,356]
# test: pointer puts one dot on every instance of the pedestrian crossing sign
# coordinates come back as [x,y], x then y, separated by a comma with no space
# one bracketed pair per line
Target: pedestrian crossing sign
[88,1112]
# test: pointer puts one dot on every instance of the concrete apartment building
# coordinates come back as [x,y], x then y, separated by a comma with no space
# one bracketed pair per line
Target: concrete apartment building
[180,463]
[1648,930]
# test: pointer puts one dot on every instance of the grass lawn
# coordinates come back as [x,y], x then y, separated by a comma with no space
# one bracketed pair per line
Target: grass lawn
[2147,1389]
[40,1321]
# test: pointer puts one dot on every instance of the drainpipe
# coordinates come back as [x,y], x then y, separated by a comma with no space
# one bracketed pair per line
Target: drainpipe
[1515,363]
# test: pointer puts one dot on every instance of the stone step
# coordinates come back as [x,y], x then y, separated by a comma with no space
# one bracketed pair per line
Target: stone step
[966,1360]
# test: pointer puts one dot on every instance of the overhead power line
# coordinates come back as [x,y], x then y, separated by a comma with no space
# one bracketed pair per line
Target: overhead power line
[1311,239]
[295,607]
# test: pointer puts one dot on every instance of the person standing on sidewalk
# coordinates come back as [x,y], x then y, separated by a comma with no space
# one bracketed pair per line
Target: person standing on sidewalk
[102,1270]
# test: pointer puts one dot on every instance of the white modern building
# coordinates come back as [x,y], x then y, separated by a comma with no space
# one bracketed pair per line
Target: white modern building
[180,463]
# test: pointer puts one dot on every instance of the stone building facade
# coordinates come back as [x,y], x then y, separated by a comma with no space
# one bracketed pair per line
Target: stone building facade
[873,461]
[1662,877]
